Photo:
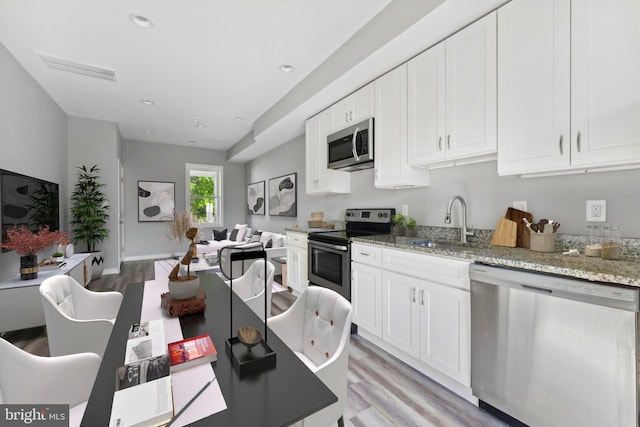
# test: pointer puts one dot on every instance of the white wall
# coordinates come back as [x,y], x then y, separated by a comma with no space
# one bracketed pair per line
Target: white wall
[33,138]
[145,161]
[561,198]
[95,142]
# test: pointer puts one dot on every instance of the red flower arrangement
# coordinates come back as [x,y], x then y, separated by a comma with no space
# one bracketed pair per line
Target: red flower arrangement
[24,242]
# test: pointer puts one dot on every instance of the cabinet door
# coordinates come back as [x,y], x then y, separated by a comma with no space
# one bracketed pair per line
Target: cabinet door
[366,297]
[471,90]
[400,319]
[605,82]
[445,330]
[312,144]
[426,106]
[533,86]
[353,108]
[392,169]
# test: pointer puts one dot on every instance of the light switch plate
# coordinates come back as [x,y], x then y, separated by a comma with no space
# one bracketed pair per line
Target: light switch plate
[405,210]
[596,210]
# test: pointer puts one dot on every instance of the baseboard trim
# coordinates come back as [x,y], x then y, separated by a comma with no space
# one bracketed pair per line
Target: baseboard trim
[146,257]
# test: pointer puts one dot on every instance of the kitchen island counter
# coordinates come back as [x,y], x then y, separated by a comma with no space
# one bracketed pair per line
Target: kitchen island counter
[623,271]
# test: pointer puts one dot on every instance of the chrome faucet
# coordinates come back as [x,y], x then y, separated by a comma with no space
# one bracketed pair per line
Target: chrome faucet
[447,218]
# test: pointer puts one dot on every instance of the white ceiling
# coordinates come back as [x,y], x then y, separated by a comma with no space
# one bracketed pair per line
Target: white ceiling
[211,59]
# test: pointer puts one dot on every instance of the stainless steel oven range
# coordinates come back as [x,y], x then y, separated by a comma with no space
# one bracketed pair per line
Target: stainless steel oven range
[330,252]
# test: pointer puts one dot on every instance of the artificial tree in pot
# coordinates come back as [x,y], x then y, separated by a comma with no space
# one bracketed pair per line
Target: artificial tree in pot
[89,215]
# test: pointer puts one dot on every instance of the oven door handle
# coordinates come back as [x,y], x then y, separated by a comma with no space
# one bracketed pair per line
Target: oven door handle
[341,248]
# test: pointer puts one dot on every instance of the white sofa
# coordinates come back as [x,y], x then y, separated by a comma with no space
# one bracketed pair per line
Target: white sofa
[275,244]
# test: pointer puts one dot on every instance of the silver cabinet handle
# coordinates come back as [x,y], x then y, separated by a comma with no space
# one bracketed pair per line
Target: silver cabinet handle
[350,115]
[346,117]
[578,141]
[413,294]
[560,144]
[439,143]
[421,296]
[448,142]
[364,254]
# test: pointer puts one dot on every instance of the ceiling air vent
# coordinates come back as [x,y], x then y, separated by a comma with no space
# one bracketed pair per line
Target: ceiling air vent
[78,68]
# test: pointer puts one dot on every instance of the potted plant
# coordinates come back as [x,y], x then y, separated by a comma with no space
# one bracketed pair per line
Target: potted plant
[89,215]
[57,256]
[411,228]
[185,286]
[27,244]
[398,228]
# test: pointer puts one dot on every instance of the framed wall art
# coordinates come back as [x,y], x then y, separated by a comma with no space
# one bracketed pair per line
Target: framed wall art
[282,195]
[255,198]
[156,201]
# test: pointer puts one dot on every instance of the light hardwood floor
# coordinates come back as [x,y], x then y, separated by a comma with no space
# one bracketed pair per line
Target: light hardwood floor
[382,390]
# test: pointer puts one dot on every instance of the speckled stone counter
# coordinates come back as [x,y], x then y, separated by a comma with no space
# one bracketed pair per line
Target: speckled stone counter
[624,271]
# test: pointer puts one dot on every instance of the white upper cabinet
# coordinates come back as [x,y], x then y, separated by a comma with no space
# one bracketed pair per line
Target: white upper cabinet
[354,108]
[605,82]
[392,169]
[452,98]
[569,85]
[320,179]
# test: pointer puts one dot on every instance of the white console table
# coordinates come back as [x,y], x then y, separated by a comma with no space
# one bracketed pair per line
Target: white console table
[20,305]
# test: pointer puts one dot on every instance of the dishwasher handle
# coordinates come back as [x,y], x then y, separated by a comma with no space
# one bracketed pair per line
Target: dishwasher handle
[536,289]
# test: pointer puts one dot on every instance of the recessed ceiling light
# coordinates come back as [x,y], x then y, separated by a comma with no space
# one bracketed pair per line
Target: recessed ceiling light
[239,119]
[286,68]
[217,141]
[140,21]
[196,118]
[147,101]
[148,131]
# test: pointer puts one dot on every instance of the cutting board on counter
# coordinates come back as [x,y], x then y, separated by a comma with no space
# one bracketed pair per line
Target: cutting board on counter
[506,233]
[522,235]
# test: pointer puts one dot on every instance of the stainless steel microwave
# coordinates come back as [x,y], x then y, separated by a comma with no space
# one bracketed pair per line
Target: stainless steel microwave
[351,148]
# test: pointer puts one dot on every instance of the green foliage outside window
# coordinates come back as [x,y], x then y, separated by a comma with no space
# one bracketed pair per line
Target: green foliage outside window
[202,189]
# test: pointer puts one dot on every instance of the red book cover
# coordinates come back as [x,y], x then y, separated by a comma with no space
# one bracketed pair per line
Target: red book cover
[190,352]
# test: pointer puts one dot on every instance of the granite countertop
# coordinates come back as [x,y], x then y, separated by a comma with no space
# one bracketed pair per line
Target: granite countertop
[625,271]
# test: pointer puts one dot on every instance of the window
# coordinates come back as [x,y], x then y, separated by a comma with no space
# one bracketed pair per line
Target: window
[204,194]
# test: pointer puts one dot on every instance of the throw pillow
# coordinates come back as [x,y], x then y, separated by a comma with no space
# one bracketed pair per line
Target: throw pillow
[220,234]
[234,234]
[278,240]
[255,237]
[265,236]
[268,244]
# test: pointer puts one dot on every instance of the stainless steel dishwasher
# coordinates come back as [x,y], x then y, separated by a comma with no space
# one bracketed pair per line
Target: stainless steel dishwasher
[553,351]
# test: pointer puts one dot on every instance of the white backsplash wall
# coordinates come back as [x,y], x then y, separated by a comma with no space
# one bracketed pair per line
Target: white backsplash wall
[561,198]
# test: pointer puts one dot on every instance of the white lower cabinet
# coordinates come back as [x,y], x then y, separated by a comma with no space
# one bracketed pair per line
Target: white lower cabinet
[418,308]
[297,260]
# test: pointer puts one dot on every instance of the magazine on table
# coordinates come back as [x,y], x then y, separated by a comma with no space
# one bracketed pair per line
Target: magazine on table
[142,371]
[146,340]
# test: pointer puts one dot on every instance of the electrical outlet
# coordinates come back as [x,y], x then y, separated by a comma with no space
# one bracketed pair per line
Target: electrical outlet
[596,210]
[520,205]
[405,210]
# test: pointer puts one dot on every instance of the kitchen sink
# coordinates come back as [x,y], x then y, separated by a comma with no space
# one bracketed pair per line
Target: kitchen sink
[443,244]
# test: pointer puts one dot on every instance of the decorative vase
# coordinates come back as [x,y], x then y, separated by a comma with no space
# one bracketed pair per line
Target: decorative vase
[97,264]
[68,250]
[184,289]
[28,267]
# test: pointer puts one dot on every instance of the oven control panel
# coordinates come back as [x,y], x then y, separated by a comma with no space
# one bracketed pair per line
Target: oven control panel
[382,216]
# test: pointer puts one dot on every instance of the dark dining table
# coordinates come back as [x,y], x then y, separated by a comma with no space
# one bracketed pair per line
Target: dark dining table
[277,396]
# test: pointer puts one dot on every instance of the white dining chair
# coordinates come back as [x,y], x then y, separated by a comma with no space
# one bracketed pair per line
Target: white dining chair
[252,288]
[78,320]
[317,327]
[29,379]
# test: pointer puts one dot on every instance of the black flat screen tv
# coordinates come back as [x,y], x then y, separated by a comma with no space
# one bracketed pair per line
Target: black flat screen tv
[28,201]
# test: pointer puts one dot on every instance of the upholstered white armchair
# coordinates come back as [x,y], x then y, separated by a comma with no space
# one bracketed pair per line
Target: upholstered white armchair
[29,379]
[78,320]
[240,266]
[317,327]
[250,287]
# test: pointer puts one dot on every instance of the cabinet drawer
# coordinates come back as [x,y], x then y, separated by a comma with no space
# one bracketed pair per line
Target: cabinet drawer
[297,239]
[432,268]
[365,254]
